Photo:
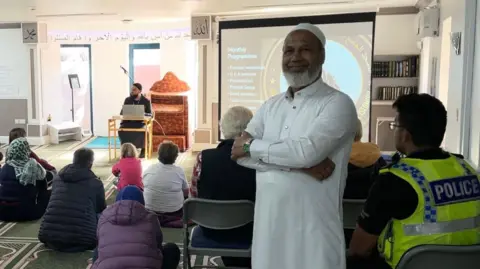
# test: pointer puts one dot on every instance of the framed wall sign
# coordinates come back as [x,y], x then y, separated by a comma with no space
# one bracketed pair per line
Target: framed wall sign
[201,28]
[30,33]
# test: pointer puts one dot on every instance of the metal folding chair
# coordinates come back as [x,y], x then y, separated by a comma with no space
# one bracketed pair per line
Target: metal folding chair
[218,215]
[441,257]
[351,210]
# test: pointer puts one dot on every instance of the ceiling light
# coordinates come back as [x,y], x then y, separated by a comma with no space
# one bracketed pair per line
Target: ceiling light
[273,9]
[300,4]
[76,15]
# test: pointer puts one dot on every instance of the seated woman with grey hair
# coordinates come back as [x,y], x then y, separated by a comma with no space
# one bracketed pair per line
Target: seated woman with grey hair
[217,177]
[166,187]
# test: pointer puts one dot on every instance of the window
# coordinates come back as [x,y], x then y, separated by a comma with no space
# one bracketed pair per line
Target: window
[145,64]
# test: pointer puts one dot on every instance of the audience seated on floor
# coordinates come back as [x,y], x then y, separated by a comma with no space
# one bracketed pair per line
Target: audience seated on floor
[78,196]
[23,186]
[217,177]
[130,237]
[129,169]
[20,132]
[364,164]
[166,187]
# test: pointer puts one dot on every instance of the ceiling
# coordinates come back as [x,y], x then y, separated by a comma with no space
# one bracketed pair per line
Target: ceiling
[93,10]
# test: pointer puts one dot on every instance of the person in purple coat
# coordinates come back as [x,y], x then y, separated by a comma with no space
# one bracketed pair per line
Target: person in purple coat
[130,237]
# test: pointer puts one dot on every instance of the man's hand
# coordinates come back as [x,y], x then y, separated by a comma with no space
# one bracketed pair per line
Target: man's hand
[322,170]
[237,149]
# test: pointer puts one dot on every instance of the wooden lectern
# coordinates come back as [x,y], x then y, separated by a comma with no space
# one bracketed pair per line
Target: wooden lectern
[112,133]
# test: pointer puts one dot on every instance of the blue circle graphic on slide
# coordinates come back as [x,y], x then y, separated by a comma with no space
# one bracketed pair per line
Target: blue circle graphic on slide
[343,67]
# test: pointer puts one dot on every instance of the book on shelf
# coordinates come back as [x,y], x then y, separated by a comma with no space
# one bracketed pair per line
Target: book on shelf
[396,69]
[392,93]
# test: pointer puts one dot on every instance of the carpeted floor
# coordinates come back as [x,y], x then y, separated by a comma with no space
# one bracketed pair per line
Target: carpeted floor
[19,246]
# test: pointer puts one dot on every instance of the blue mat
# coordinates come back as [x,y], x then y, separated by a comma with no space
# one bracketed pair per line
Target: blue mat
[101,142]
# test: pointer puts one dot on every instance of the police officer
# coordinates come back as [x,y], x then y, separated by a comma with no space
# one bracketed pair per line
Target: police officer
[428,197]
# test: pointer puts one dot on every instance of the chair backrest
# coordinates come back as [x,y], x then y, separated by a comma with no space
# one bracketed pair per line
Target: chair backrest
[351,210]
[218,215]
[441,257]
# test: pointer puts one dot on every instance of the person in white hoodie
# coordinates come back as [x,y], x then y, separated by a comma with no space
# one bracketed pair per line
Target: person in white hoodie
[298,219]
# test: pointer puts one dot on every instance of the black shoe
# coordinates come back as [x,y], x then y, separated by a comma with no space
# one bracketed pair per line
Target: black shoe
[142,154]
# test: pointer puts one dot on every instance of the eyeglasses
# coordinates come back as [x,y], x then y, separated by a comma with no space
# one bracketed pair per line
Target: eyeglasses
[394,125]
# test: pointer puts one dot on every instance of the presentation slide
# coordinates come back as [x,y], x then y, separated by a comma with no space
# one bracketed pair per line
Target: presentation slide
[251,71]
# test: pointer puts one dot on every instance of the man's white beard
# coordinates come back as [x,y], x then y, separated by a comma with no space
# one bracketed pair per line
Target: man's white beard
[297,80]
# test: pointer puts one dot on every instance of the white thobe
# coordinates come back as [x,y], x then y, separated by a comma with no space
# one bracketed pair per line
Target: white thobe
[298,219]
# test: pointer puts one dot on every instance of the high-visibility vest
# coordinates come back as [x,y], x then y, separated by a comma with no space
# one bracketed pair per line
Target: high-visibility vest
[448,211]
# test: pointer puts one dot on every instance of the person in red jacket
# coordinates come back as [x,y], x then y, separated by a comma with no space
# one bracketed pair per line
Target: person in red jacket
[129,168]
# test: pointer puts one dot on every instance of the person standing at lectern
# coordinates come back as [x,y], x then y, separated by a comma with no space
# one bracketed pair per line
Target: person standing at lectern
[136,138]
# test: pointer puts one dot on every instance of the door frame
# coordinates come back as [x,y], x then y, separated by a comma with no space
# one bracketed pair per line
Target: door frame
[131,49]
[89,47]
[467,79]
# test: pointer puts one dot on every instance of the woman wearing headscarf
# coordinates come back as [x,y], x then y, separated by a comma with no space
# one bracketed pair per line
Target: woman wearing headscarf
[20,132]
[125,238]
[23,190]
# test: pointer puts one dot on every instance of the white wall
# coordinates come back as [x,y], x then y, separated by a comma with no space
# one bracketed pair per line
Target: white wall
[455,9]
[14,63]
[453,75]
[51,82]
[173,57]
[475,98]
[110,85]
[395,35]
[425,81]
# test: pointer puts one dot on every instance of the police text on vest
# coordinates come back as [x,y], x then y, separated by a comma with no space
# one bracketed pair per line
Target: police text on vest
[455,190]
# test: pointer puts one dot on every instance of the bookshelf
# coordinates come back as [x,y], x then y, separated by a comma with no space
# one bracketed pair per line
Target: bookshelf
[392,76]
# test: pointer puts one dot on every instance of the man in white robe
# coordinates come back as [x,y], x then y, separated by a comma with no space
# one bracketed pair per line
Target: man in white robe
[298,219]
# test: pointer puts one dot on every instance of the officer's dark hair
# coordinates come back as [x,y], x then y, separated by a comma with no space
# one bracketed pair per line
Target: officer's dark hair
[424,117]
[83,157]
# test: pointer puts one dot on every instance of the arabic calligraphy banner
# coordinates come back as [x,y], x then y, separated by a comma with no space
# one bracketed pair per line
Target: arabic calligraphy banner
[118,36]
